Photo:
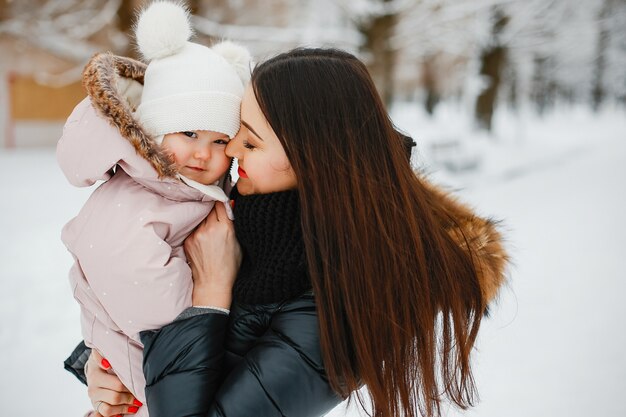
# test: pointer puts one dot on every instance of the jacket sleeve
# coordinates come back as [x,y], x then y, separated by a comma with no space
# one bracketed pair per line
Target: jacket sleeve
[183,365]
[283,373]
[75,363]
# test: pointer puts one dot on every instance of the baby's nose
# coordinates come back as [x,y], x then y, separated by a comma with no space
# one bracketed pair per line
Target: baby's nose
[203,152]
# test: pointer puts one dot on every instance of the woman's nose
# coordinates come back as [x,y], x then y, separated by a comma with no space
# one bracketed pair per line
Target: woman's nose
[233,149]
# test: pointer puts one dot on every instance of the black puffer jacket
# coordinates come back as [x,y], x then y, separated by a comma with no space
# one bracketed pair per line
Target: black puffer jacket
[272,364]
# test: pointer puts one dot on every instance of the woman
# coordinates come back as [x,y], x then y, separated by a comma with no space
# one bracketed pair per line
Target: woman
[355,270]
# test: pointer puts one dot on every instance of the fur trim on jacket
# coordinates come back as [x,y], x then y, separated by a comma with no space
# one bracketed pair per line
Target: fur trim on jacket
[107,78]
[478,235]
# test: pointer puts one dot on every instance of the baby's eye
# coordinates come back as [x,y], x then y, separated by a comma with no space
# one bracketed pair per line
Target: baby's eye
[222,141]
[190,134]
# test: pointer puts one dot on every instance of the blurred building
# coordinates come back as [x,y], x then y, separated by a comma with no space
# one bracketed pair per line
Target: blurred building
[44,46]
[33,105]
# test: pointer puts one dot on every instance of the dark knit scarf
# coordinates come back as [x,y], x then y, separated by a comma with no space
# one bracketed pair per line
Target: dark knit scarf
[274,264]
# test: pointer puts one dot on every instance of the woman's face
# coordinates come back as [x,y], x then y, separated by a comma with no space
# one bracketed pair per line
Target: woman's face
[263,164]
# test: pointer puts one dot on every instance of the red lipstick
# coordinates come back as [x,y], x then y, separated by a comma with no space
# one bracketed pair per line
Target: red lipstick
[242,173]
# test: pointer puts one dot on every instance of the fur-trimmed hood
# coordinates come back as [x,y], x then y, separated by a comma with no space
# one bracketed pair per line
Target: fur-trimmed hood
[102,134]
[114,86]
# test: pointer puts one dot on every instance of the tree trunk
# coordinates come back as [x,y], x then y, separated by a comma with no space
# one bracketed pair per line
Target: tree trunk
[429,80]
[544,88]
[381,62]
[126,17]
[598,93]
[493,61]
[4,10]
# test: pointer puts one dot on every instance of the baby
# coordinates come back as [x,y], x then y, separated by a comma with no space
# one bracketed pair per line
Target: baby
[160,150]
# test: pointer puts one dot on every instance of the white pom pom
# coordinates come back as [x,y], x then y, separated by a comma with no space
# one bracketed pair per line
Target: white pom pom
[237,56]
[162,30]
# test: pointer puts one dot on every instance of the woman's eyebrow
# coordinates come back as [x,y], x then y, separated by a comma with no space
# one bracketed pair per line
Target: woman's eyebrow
[251,130]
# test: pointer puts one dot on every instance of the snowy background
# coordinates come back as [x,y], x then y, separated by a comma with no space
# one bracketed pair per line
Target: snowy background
[516,105]
[553,347]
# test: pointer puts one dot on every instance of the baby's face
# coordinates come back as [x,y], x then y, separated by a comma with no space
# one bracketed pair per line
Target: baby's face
[199,154]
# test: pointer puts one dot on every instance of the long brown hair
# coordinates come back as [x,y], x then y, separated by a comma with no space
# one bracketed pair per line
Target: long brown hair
[399,302]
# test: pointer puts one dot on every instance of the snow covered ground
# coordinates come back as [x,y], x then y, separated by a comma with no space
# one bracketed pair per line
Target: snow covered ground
[554,346]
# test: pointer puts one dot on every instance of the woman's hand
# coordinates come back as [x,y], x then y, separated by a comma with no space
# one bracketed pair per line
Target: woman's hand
[108,395]
[214,256]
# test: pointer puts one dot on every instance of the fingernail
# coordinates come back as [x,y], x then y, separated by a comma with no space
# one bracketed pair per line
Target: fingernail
[137,402]
[132,409]
[232,203]
[105,363]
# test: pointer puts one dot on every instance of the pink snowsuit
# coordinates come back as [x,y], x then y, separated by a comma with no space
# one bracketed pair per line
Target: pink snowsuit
[130,272]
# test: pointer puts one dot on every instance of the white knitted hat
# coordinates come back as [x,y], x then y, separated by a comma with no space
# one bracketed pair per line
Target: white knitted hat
[187,86]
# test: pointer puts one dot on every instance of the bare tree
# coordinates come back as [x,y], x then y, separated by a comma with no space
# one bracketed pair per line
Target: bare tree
[378,29]
[438,44]
[598,94]
[615,75]
[4,6]
[493,61]
[377,21]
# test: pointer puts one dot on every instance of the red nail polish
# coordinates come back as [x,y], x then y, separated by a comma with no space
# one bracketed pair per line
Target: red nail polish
[105,363]
[132,409]
[137,402]
[232,203]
